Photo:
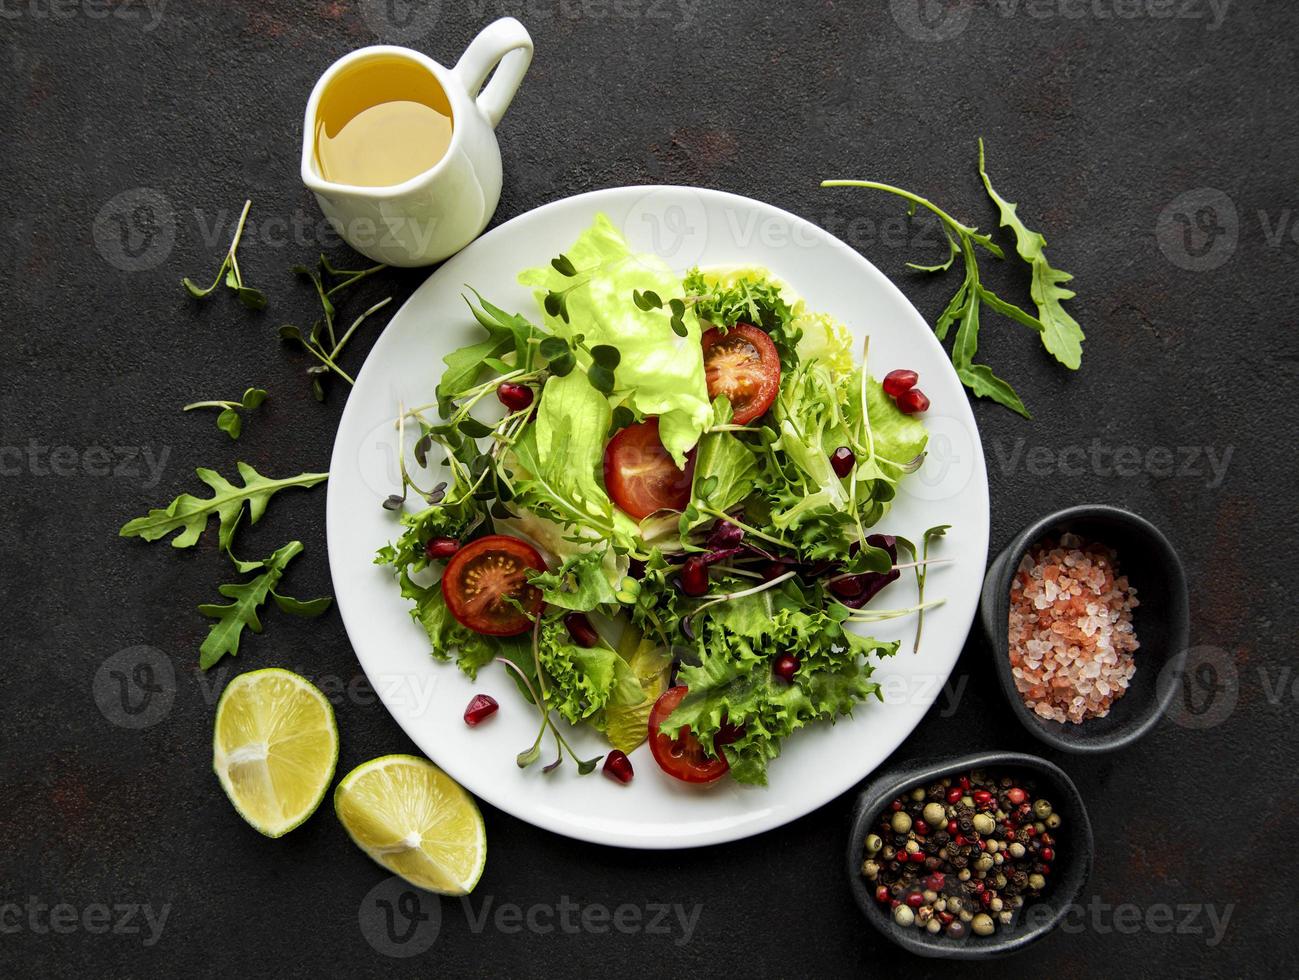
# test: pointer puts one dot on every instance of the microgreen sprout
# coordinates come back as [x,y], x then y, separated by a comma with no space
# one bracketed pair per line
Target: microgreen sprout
[230,274]
[229,421]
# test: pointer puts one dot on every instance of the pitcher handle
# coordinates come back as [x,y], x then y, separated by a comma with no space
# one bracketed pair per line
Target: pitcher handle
[505,43]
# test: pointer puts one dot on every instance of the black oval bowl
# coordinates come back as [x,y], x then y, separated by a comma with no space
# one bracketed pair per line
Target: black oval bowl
[1069,874]
[1161,622]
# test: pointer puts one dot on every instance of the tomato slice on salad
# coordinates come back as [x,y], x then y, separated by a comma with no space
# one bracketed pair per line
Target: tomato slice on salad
[743,365]
[482,575]
[640,475]
[682,757]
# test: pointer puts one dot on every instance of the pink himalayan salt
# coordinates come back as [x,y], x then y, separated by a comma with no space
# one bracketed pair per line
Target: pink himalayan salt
[1071,637]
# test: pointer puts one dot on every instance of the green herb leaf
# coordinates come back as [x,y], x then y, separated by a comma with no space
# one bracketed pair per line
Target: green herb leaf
[249,597]
[1061,333]
[606,356]
[980,379]
[230,423]
[307,609]
[253,397]
[563,266]
[189,515]
[474,429]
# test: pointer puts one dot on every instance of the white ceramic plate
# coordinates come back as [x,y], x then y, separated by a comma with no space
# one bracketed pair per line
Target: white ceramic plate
[686,227]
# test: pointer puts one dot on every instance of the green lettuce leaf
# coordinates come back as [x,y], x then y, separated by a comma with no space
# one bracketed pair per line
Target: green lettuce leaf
[626,721]
[658,373]
[581,584]
[583,679]
[732,682]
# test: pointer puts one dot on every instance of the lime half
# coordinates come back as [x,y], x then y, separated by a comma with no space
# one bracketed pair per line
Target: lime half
[416,821]
[274,748]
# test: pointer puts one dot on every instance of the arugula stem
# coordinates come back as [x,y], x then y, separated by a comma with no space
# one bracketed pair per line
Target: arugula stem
[914,198]
[234,244]
[745,527]
[356,276]
[895,568]
[326,360]
[880,615]
[338,348]
[194,405]
[744,594]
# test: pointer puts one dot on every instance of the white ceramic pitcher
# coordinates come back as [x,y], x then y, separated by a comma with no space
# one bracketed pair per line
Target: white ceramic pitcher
[437,213]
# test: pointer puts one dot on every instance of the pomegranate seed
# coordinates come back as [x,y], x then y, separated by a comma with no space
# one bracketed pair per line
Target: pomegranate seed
[954,794]
[882,893]
[481,707]
[921,827]
[1047,854]
[785,667]
[915,899]
[842,460]
[896,382]
[694,576]
[617,766]
[912,401]
[514,397]
[1016,795]
[581,630]
[440,549]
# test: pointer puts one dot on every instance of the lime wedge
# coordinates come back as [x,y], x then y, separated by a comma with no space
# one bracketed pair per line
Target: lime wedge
[416,821]
[274,748]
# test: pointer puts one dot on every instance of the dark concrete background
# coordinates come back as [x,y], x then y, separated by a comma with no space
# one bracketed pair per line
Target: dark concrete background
[1099,116]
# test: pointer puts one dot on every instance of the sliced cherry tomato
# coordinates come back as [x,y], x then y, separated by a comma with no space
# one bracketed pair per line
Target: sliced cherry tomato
[682,757]
[743,365]
[481,575]
[640,475]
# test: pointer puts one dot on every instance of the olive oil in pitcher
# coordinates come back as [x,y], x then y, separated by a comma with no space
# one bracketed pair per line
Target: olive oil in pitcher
[381,122]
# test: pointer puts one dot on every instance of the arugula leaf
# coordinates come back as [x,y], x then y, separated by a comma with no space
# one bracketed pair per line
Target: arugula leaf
[224,636]
[1061,333]
[189,515]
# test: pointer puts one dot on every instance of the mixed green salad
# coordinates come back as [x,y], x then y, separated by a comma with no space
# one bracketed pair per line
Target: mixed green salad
[668,533]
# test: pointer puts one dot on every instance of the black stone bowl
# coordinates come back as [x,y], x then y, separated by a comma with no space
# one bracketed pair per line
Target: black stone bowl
[1069,872]
[1161,621]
